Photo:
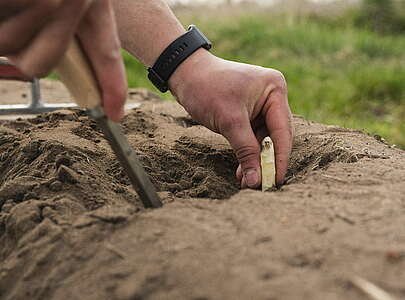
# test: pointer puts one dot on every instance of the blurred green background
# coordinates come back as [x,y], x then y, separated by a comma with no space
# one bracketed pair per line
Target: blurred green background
[344,66]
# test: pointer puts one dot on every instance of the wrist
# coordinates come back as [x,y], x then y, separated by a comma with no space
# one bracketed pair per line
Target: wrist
[191,71]
[175,55]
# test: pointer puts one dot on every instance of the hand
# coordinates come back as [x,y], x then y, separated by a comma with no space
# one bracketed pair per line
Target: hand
[34,35]
[244,103]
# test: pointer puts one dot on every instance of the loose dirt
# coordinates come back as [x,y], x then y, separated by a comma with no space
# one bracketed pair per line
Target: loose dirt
[71,227]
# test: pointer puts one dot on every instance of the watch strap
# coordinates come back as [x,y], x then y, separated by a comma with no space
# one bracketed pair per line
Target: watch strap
[177,52]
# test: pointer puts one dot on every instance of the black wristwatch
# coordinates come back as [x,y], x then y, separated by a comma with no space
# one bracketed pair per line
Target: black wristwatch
[175,54]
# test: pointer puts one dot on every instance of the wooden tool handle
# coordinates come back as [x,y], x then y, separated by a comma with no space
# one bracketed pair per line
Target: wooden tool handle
[75,72]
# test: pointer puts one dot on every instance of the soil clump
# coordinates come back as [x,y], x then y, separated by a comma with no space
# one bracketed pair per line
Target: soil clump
[71,225]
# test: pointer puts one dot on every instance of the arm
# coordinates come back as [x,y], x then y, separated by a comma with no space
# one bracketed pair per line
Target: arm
[244,103]
[146,27]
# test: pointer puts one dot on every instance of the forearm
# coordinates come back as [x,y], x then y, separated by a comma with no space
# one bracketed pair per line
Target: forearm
[146,27]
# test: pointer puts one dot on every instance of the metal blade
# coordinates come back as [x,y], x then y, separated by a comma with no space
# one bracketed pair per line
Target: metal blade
[128,158]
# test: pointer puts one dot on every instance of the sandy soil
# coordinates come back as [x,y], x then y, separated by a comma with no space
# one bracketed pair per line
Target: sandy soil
[13,92]
[71,227]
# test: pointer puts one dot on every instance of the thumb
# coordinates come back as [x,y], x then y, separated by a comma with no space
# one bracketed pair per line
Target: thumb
[240,135]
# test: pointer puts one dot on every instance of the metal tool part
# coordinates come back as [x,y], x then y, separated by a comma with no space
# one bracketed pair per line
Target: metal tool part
[76,73]
[128,158]
[37,106]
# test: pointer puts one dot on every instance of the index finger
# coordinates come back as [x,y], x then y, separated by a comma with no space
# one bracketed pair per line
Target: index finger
[279,124]
[99,38]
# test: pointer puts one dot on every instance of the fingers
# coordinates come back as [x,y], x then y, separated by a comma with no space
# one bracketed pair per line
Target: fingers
[11,8]
[260,133]
[99,39]
[279,124]
[48,46]
[239,133]
[36,34]
[16,32]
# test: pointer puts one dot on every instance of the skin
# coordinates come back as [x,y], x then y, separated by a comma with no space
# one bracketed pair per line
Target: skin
[34,35]
[243,102]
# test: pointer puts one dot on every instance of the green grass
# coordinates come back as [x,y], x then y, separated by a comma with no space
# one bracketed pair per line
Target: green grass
[337,73]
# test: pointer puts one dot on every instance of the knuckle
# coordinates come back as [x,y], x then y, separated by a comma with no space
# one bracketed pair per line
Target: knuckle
[34,71]
[6,46]
[278,80]
[107,53]
[9,44]
[38,73]
[247,153]
[111,56]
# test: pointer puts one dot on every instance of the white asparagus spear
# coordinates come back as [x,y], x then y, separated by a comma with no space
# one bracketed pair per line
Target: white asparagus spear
[370,289]
[268,165]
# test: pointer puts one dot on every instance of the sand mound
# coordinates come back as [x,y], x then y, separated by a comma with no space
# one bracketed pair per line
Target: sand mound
[72,227]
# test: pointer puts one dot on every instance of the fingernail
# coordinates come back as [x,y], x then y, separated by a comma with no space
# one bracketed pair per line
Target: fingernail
[252,179]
